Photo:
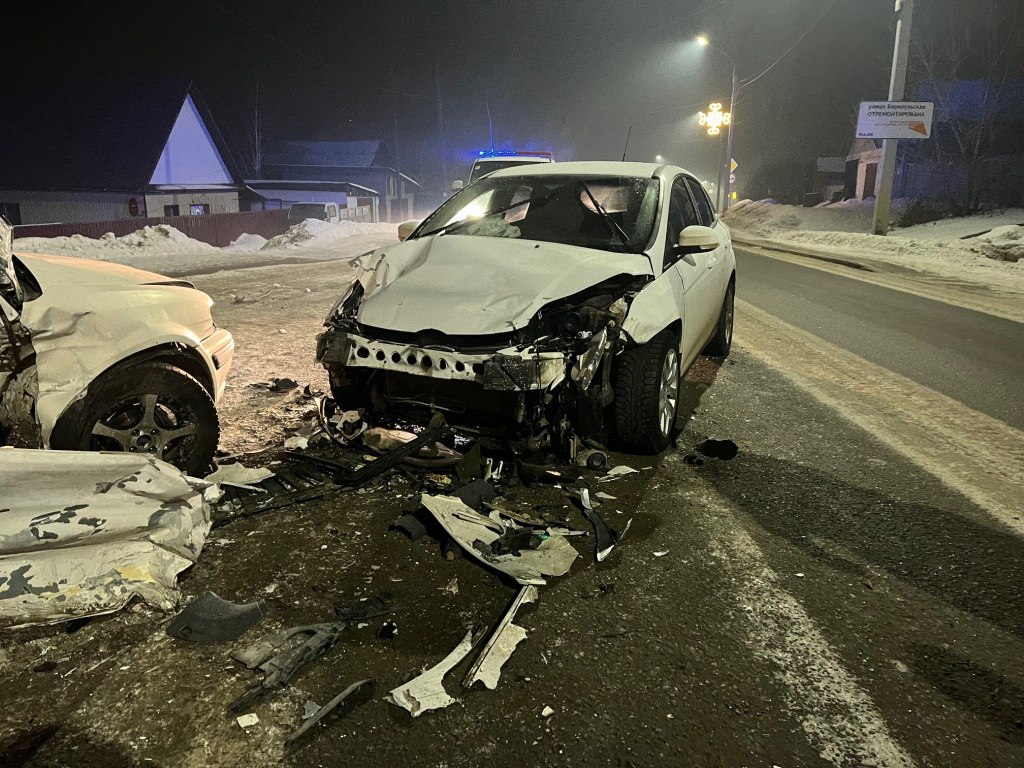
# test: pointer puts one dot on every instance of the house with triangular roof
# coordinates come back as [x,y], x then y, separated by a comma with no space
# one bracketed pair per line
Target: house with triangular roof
[95,151]
[366,166]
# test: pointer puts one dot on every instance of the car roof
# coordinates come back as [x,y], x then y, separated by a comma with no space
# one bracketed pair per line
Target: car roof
[595,168]
[517,158]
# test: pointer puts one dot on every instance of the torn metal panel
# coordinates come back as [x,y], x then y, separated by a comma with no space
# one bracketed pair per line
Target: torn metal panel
[553,557]
[502,642]
[238,474]
[426,692]
[82,533]
[586,365]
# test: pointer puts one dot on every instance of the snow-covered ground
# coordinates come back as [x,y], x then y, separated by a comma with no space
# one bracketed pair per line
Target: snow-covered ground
[987,249]
[165,250]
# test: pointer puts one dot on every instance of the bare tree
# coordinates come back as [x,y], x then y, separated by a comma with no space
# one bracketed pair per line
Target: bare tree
[255,132]
[979,43]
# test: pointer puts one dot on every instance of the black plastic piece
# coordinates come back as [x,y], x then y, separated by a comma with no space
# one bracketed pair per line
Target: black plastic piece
[211,619]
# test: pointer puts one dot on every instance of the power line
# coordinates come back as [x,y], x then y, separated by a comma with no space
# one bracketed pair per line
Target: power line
[751,80]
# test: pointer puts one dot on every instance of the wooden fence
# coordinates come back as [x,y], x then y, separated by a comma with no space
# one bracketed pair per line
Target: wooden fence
[217,229]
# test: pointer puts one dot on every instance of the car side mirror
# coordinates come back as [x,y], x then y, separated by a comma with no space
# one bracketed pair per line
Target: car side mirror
[457,185]
[697,239]
[406,228]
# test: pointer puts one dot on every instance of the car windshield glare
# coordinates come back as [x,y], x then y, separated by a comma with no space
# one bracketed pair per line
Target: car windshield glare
[555,209]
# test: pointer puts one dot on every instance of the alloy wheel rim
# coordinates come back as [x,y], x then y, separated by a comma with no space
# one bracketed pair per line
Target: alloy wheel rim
[669,392]
[147,423]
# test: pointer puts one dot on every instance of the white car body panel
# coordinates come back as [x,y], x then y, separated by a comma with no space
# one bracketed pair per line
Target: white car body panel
[462,285]
[92,315]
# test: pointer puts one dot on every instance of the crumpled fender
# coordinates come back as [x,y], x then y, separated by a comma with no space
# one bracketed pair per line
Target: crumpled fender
[653,309]
[75,343]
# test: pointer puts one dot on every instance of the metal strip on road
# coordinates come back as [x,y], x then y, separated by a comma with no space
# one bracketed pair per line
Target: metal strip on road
[974,454]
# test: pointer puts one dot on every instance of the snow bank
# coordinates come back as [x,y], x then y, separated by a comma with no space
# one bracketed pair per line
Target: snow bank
[162,238]
[313,233]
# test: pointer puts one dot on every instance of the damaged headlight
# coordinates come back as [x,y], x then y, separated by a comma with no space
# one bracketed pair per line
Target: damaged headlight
[348,303]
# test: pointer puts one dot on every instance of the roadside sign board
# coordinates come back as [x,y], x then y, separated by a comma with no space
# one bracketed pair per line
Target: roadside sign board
[733,165]
[895,120]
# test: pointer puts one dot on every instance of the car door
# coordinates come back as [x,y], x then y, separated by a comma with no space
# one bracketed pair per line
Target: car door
[690,271]
[718,259]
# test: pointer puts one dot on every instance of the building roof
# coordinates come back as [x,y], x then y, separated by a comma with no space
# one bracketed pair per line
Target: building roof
[334,154]
[831,164]
[93,135]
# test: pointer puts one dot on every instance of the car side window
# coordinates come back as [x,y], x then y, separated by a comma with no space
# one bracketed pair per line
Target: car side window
[681,214]
[704,207]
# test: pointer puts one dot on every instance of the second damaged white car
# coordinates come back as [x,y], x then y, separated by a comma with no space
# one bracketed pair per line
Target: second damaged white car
[99,356]
[542,303]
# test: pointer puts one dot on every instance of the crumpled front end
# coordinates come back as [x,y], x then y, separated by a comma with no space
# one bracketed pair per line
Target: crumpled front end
[539,384]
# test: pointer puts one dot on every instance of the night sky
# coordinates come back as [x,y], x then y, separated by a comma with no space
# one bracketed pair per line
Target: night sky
[571,76]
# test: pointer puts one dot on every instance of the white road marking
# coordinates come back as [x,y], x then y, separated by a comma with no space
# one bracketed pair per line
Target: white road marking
[839,718]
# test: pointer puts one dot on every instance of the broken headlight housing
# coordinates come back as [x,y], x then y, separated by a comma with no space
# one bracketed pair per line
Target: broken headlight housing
[348,303]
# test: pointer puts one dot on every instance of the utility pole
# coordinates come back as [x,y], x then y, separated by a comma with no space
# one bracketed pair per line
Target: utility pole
[897,84]
[728,145]
[440,134]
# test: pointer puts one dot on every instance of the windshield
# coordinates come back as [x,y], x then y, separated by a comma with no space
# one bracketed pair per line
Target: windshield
[481,169]
[555,209]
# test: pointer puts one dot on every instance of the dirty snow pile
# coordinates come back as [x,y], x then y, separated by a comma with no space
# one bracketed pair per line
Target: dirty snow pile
[162,238]
[313,233]
[985,248]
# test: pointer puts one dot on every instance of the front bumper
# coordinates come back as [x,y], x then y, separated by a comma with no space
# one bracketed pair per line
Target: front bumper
[506,370]
[219,348]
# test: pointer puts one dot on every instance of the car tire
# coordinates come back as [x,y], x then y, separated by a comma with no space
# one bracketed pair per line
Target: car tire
[647,394]
[151,408]
[721,342]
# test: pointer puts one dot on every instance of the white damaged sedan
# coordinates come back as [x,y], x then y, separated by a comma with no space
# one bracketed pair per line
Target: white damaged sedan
[99,356]
[542,303]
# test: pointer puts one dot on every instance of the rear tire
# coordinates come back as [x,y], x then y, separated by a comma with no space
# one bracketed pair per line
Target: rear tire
[647,394]
[721,342]
[152,408]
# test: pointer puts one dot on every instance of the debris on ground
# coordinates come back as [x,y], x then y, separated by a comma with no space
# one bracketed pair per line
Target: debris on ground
[247,721]
[547,712]
[363,608]
[312,719]
[618,471]
[426,692]
[387,630]
[238,474]
[82,533]
[607,537]
[719,449]
[433,455]
[279,663]
[476,535]
[211,619]
[276,385]
[502,642]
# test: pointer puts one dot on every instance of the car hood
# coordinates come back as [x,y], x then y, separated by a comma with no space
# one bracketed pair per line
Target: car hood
[469,285]
[55,271]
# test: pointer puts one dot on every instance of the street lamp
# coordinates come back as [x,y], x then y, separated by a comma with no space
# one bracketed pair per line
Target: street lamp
[728,118]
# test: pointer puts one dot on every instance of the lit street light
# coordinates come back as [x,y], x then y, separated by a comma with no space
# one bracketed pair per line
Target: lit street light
[715,118]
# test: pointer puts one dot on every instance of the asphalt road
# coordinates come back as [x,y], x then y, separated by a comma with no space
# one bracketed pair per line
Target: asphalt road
[970,356]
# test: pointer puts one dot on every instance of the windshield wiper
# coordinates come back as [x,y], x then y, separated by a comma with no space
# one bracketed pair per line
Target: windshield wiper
[613,225]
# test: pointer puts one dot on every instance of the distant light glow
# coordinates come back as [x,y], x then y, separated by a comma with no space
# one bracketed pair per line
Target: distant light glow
[703,40]
[714,118]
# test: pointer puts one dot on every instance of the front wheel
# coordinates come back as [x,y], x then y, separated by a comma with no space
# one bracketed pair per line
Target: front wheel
[647,394]
[152,408]
[721,342]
